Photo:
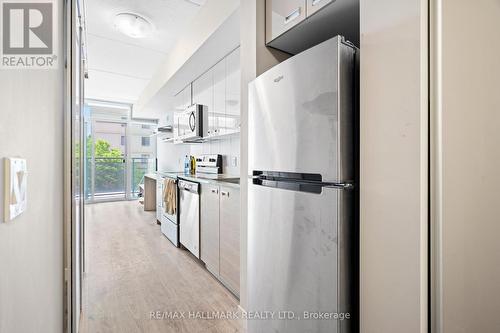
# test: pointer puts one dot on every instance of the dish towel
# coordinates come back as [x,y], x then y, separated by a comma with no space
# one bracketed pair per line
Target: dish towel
[170,196]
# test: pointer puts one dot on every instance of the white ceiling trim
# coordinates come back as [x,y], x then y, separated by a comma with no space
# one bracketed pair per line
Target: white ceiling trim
[120,74]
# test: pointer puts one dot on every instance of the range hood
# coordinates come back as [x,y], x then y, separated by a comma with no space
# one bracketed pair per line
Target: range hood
[166,129]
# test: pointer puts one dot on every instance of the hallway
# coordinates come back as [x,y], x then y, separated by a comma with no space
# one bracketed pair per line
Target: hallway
[133,270]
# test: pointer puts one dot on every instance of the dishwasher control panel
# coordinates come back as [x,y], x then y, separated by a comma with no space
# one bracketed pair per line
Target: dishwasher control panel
[189,186]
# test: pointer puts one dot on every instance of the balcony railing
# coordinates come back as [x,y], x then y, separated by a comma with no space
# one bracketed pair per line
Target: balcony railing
[139,167]
[106,177]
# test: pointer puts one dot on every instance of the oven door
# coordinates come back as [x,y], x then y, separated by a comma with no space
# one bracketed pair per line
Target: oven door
[170,230]
[172,218]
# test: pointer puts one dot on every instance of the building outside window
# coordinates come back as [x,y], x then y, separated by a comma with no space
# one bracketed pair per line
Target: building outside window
[118,151]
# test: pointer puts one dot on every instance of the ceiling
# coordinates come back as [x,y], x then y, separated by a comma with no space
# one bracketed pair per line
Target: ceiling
[119,66]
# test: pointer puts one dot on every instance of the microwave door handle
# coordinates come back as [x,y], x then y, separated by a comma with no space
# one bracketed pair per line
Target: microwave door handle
[192,122]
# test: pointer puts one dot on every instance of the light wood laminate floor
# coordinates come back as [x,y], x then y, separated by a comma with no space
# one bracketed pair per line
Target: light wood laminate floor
[133,270]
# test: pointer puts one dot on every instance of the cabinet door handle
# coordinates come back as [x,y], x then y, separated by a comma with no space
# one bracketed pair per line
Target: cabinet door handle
[214,190]
[315,2]
[292,16]
[224,193]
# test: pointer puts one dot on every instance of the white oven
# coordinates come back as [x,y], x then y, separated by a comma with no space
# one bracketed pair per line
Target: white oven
[169,222]
[191,125]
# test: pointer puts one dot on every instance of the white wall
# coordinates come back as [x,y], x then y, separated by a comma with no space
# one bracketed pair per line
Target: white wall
[394,163]
[170,156]
[466,165]
[31,246]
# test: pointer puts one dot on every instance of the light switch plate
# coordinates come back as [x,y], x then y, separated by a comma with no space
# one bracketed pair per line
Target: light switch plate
[234,161]
[16,185]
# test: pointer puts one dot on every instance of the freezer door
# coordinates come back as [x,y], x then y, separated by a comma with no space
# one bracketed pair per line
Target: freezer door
[301,114]
[299,259]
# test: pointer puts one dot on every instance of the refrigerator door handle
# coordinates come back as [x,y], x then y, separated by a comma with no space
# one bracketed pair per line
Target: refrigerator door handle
[299,185]
[344,186]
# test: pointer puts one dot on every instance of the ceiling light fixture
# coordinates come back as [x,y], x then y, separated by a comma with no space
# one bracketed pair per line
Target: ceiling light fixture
[133,25]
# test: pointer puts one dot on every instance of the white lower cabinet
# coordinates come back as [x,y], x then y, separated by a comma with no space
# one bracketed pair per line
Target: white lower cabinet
[230,237]
[220,233]
[210,227]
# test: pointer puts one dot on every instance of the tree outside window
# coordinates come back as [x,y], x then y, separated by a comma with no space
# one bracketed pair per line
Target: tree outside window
[109,166]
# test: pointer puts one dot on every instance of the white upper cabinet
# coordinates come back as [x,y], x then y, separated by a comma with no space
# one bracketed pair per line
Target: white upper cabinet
[282,15]
[203,90]
[219,110]
[183,99]
[233,92]
[294,26]
[218,89]
[203,93]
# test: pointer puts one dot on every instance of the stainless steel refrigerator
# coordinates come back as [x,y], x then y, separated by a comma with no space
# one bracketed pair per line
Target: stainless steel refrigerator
[301,193]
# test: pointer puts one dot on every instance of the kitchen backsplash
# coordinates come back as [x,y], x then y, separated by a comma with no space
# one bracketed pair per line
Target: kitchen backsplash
[171,157]
[229,148]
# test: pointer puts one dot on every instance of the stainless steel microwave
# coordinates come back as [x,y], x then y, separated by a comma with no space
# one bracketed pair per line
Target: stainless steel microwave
[191,124]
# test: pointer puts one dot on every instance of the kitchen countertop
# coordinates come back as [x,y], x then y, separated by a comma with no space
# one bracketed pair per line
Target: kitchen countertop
[171,174]
[205,178]
[151,175]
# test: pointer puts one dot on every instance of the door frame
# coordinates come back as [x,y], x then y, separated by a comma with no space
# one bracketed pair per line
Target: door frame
[73,231]
[67,227]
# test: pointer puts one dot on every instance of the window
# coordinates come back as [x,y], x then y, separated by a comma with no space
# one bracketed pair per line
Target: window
[146,141]
[122,140]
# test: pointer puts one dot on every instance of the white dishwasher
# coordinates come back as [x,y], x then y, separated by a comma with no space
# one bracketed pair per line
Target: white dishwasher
[189,216]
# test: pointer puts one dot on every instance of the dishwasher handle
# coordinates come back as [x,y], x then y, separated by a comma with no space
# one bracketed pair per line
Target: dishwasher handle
[189,187]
